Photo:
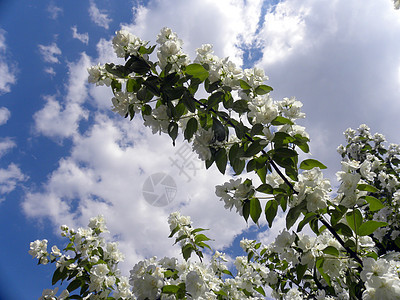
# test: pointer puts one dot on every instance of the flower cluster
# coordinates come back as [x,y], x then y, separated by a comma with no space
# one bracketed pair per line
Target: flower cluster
[313,188]
[170,50]
[234,193]
[93,266]
[126,44]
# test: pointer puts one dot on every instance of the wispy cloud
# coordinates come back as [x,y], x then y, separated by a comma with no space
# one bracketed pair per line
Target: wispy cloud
[60,119]
[54,11]
[7,67]
[50,53]
[4,115]
[83,37]
[9,178]
[99,18]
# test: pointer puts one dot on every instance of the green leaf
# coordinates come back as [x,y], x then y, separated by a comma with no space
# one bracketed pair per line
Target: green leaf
[214,99]
[246,210]
[319,264]
[58,275]
[74,285]
[137,65]
[293,214]
[200,238]
[374,203]
[220,131]
[279,120]
[221,159]
[240,106]
[175,230]
[307,218]
[354,219]
[255,209]
[173,131]
[367,188]
[257,129]
[300,270]
[265,188]
[116,86]
[260,290]
[244,85]
[309,164]
[146,110]
[263,89]
[271,208]
[132,85]
[238,165]
[254,148]
[331,251]
[197,71]
[284,153]
[170,289]
[191,128]
[369,227]
[187,251]
[343,229]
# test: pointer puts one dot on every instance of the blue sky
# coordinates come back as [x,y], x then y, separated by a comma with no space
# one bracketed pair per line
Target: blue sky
[65,157]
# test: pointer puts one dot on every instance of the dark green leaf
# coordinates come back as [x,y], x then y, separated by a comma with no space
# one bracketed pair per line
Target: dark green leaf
[307,218]
[354,219]
[74,285]
[279,120]
[260,290]
[367,188]
[220,131]
[263,89]
[197,71]
[187,251]
[369,227]
[331,251]
[244,85]
[257,129]
[191,128]
[319,264]
[240,106]
[246,210]
[254,148]
[214,99]
[300,270]
[170,289]
[308,164]
[343,229]
[271,208]
[173,131]
[293,215]
[200,238]
[265,188]
[255,209]
[221,159]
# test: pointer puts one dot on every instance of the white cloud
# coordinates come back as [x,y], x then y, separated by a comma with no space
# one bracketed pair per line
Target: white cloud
[99,18]
[54,11]
[7,67]
[50,53]
[327,53]
[4,115]
[9,178]
[5,145]
[225,24]
[83,37]
[105,174]
[61,119]
[342,65]
[50,71]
